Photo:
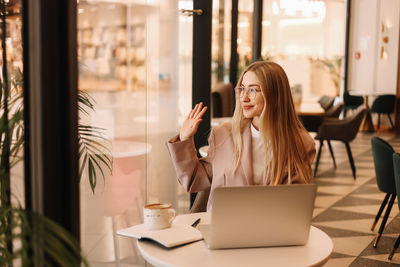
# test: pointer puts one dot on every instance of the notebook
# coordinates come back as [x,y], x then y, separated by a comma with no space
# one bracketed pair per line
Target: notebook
[171,237]
[260,216]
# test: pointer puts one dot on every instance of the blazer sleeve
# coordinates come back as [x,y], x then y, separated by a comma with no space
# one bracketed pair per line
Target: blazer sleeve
[194,174]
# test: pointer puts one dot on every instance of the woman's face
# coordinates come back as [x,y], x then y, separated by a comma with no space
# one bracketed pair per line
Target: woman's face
[251,98]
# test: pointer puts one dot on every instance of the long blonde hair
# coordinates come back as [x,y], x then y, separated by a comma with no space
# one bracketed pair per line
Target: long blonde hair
[280,127]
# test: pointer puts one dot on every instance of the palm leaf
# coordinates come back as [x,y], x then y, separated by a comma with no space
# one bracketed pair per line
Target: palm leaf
[55,242]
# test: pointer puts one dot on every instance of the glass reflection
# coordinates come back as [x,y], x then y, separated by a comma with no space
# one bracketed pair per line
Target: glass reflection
[135,63]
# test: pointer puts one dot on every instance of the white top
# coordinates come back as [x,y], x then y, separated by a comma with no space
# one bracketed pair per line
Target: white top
[258,155]
[315,253]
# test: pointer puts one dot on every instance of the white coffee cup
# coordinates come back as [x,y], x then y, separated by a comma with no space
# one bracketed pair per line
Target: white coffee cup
[158,216]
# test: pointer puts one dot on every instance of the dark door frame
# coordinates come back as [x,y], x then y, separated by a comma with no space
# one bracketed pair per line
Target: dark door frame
[50,110]
[257,30]
[201,83]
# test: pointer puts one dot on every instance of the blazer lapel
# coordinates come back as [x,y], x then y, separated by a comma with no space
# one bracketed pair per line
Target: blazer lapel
[247,156]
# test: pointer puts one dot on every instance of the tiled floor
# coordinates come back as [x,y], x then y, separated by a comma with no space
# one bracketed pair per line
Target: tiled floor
[345,208]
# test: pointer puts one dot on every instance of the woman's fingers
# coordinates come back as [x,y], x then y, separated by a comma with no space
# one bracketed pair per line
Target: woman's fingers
[192,112]
[197,112]
[201,113]
[197,109]
[196,125]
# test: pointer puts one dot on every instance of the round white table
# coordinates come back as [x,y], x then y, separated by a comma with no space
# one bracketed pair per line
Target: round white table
[315,253]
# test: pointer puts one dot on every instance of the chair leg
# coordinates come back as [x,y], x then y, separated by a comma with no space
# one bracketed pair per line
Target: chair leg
[331,150]
[381,208]
[353,168]
[396,245]
[385,217]
[321,143]
[379,121]
[390,120]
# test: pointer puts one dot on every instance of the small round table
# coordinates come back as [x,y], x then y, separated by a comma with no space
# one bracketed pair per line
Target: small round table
[315,253]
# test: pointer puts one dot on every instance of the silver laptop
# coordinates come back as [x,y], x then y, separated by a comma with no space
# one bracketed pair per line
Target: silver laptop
[260,216]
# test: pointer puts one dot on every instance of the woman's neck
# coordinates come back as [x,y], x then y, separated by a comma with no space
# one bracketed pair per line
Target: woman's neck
[256,123]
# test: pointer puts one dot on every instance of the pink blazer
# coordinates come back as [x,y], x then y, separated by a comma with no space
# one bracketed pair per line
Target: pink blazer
[215,170]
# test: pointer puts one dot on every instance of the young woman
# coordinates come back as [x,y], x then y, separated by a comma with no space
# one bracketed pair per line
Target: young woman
[265,144]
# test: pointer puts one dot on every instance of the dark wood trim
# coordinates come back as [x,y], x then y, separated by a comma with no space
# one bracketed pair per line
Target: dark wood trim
[347,45]
[257,30]
[234,55]
[27,147]
[50,70]
[201,83]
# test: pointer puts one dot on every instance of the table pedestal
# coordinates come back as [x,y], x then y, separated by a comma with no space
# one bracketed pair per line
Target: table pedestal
[367,124]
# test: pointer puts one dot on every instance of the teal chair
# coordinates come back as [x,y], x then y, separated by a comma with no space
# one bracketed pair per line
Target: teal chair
[351,102]
[382,153]
[396,168]
[384,104]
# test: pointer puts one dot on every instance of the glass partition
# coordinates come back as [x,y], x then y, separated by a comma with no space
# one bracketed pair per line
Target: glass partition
[13,64]
[135,60]
[221,41]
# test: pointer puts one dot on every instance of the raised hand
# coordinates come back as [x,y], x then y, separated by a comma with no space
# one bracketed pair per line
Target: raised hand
[190,125]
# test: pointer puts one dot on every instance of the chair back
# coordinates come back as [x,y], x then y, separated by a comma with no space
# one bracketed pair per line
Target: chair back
[334,111]
[326,102]
[384,104]
[383,162]
[396,169]
[223,100]
[352,100]
[333,129]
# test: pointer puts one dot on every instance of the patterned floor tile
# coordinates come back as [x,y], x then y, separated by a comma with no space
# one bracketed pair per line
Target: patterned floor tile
[365,209]
[362,225]
[345,208]
[354,201]
[317,211]
[336,189]
[377,196]
[340,262]
[351,245]
[361,261]
[366,189]
[326,201]
[384,258]
[336,232]
[333,215]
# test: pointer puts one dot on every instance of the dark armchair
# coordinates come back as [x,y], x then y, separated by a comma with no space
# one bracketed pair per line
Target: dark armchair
[222,100]
[384,104]
[344,130]
[312,123]
[351,102]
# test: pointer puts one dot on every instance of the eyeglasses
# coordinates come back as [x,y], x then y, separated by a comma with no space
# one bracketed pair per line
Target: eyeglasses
[251,92]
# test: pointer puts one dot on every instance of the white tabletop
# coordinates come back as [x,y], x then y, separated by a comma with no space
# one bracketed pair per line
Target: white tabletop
[315,253]
[125,148]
